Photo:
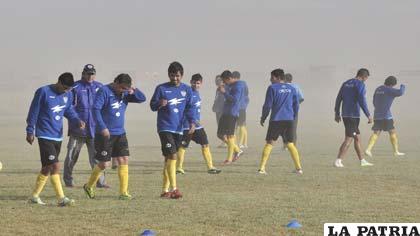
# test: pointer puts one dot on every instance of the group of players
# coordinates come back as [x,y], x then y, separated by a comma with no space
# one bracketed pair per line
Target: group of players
[96,115]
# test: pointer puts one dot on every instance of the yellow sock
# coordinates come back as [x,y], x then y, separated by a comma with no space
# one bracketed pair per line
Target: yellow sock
[41,180]
[56,183]
[245,136]
[123,176]
[231,148]
[235,146]
[166,182]
[171,168]
[394,141]
[372,141]
[207,157]
[180,160]
[295,155]
[96,173]
[265,155]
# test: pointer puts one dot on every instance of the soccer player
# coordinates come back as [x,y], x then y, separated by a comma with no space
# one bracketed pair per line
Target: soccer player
[219,102]
[352,96]
[110,139]
[289,78]
[45,121]
[383,120]
[84,92]
[199,136]
[241,124]
[234,91]
[282,100]
[172,101]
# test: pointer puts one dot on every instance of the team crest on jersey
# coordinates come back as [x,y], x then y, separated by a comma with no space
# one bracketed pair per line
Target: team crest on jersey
[183,93]
[65,99]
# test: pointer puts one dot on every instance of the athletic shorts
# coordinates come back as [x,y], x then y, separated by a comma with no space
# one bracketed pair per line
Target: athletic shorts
[351,126]
[114,146]
[227,125]
[283,128]
[49,150]
[242,118]
[199,137]
[383,125]
[170,142]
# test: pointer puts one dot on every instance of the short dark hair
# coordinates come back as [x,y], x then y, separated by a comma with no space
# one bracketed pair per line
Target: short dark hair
[363,72]
[66,79]
[123,79]
[390,81]
[196,77]
[278,73]
[175,67]
[226,74]
[288,77]
[236,75]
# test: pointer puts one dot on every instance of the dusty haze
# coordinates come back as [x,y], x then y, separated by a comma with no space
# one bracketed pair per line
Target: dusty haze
[322,43]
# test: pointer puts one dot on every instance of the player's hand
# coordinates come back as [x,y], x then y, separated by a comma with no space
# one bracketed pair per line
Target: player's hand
[30,138]
[131,90]
[370,120]
[262,123]
[82,125]
[163,102]
[222,89]
[105,133]
[192,129]
[337,118]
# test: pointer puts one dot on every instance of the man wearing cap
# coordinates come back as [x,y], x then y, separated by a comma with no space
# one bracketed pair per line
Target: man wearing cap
[84,92]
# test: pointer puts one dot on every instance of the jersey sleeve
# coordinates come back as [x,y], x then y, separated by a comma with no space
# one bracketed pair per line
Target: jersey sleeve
[154,102]
[137,97]
[296,101]
[398,92]
[33,113]
[268,103]
[100,100]
[70,113]
[189,108]
[361,97]
[338,101]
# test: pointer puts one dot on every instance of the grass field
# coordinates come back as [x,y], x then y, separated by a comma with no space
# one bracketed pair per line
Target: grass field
[236,202]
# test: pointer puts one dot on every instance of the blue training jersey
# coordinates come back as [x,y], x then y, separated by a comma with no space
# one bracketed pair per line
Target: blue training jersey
[298,91]
[180,104]
[382,101]
[109,109]
[352,97]
[45,116]
[233,96]
[245,99]
[282,100]
[196,101]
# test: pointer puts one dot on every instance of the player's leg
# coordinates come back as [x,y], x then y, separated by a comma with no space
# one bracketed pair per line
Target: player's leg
[170,145]
[186,138]
[288,136]
[273,132]
[243,133]
[223,143]
[41,180]
[389,126]
[343,150]
[376,128]
[74,146]
[200,137]
[358,148]
[121,153]
[90,144]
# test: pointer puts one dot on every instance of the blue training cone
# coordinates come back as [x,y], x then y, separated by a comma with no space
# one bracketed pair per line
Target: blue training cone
[293,224]
[148,232]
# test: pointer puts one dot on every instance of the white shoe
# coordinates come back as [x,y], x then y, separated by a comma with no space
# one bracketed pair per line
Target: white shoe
[399,154]
[262,172]
[243,146]
[36,200]
[363,162]
[338,163]
[299,172]
[368,153]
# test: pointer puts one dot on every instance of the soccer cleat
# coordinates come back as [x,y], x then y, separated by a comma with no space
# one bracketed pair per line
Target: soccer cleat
[226,162]
[125,197]
[236,155]
[299,172]
[90,192]
[214,171]
[180,171]
[65,201]
[36,200]
[166,195]
[175,194]
[338,163]
[262,172]
[363,162]
[399,154]
[368,153]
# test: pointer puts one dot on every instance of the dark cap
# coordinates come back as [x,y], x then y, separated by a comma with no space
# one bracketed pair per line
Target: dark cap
[89,69]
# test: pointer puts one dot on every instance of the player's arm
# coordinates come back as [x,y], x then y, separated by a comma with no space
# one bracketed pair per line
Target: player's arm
[300,95]
[135,96]
[361,99]
[32,117]
[398,92]
[338,101]
[71,114]
[157,101]
[99,104]
[231,95]
[268,103]
[295,103]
